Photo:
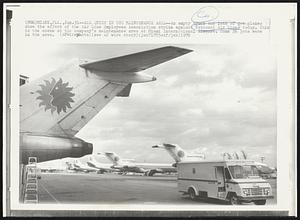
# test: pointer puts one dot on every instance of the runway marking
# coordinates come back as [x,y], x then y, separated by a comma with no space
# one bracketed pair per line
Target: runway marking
[50,194]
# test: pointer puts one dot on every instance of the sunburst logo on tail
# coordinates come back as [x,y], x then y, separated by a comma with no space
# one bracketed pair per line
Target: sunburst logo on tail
[55,95]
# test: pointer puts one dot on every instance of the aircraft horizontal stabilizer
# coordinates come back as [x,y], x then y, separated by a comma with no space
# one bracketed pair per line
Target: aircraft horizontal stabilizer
[138,61]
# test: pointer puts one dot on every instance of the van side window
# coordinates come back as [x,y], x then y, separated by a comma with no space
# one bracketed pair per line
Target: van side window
[227,174]
[194,170]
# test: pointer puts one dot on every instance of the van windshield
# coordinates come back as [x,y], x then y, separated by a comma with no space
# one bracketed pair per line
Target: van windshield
[243,172]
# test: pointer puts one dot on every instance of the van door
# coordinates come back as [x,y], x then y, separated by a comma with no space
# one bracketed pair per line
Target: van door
[221,181]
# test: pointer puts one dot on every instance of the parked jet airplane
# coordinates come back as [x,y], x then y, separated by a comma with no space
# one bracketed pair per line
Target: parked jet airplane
[79,166]
[127,166]
[178,154]
[265,171]
[56,106]
[102,167]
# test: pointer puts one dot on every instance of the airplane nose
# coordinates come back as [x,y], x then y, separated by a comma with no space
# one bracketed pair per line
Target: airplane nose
[153,78]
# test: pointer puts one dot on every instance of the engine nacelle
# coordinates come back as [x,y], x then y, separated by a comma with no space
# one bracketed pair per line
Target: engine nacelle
[50,148]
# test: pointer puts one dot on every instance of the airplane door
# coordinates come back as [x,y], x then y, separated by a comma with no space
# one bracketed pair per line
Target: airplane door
[220,178]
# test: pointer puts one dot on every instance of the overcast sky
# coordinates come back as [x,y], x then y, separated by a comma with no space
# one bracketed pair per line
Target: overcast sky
[219,98]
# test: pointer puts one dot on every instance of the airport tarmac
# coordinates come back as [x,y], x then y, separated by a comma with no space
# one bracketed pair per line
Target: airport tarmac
[92,188]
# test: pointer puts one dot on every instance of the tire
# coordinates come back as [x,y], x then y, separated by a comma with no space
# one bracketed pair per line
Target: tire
[260,202]
[234,200]
[192,194]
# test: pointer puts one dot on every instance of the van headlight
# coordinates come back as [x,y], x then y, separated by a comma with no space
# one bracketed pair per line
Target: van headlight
[267,191]
[246,191]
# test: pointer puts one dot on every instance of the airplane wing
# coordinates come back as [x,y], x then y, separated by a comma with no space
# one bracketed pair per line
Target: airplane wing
[138,61]
[64,101]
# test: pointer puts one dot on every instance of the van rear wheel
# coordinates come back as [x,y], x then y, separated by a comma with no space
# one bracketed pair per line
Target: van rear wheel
[192,194]
[260,202]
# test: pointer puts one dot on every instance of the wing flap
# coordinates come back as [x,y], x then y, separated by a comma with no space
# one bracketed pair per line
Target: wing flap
[138,61]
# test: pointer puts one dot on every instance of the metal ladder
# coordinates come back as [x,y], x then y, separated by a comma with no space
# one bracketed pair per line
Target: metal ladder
[31,184]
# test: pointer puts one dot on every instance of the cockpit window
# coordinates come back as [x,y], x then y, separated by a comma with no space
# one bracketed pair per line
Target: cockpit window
[243,171]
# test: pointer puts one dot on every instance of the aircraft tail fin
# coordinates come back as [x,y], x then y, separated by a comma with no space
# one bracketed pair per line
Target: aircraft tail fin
[113,157]
[67,99]
[69,165]
[174,150]
[179,154]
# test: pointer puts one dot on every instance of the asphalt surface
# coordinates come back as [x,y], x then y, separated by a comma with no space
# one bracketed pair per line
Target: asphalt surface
[91,188]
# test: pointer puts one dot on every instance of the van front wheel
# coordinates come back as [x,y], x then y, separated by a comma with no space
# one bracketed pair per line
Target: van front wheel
[192,193]
[260,202]
[234,200]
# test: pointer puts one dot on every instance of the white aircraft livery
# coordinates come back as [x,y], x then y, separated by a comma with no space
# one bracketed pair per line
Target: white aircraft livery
[178,154]
[103,167]
[79,166]
[56,106]
[149,169]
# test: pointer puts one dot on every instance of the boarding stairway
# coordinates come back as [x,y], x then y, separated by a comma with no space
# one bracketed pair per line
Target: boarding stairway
[31,183]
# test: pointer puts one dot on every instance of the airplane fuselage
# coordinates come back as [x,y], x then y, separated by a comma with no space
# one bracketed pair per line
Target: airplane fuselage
[146,168]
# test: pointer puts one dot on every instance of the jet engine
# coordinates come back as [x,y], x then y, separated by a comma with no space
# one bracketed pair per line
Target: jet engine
[51,148]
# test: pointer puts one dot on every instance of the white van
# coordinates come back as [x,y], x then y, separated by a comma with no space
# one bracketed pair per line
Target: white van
[235,181]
